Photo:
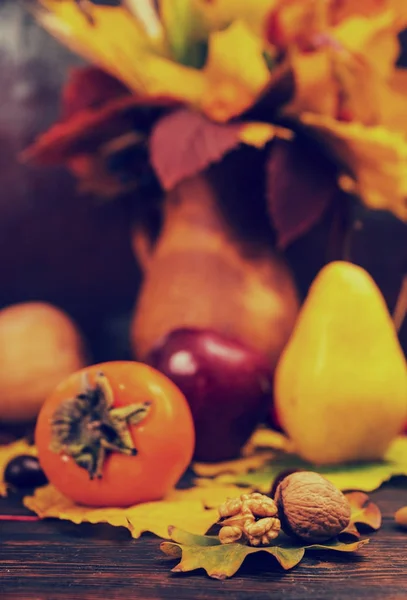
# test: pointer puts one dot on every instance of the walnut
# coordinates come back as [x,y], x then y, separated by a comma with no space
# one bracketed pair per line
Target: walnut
[311,507]
[252,518]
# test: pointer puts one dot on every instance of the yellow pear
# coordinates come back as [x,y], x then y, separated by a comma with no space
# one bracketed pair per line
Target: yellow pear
[341,382]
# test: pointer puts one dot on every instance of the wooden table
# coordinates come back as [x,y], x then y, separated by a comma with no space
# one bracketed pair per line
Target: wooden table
[53,559]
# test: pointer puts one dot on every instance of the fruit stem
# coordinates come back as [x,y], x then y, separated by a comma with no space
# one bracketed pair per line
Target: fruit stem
[88,427]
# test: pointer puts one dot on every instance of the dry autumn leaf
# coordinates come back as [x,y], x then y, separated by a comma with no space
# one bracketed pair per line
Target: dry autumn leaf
[300,185]
[374,160]
[359,476]
[191,509]
[7,453]
[365,514]
[221,561]
[364,511]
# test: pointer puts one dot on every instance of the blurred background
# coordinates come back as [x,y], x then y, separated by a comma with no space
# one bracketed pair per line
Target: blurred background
[58,247]
[54,247]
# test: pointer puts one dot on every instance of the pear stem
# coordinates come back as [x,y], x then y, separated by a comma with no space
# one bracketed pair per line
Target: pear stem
[400,310]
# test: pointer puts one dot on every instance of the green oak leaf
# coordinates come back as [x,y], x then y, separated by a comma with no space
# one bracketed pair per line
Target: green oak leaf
[223,561]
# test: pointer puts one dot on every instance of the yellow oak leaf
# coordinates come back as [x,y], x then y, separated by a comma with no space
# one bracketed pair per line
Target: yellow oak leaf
[7,453]
[374,160]
[193,509]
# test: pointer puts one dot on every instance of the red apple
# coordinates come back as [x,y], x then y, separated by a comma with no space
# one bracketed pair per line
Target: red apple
[227,384]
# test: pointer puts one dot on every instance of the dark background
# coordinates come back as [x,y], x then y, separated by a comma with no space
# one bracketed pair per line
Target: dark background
[54,245]
[58,247]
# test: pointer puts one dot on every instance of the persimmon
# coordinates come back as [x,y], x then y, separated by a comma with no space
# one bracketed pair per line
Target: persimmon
[115,434]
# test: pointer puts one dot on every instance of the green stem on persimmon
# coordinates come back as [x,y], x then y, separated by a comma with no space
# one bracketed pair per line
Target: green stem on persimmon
[87,426]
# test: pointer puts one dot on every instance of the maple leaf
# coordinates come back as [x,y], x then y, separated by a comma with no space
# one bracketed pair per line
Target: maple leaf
[191,509]
[7,453]
[185,142]
[300,186]
[220,561]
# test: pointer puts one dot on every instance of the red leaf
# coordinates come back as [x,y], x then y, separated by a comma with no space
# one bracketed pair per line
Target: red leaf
[300,184]
[184,143]
[89,87]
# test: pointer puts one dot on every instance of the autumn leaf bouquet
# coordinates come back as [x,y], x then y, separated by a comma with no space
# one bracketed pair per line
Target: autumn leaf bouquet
[234,128]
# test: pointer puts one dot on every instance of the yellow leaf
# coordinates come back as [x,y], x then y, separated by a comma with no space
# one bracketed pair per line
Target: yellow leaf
[260,450]
[259,134]
[374,160]
[369,8]
[316,88]
[268,438]
[220,13]
[374,39]
[192,509]
[7,453]
[364,476]
[236,72]
[240,465]
[392,102]
[119,44]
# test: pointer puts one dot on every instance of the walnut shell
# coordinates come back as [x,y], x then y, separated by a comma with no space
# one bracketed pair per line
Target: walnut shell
[311,507]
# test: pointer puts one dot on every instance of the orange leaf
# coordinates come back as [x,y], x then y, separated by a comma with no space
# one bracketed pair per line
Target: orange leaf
[364,511]
[344,9]
[374,39]
[316,88]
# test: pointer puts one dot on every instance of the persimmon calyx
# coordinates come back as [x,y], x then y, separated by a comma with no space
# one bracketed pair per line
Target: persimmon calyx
[87,426]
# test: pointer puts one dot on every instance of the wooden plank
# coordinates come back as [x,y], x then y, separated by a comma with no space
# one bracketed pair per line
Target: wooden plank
[58,560]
